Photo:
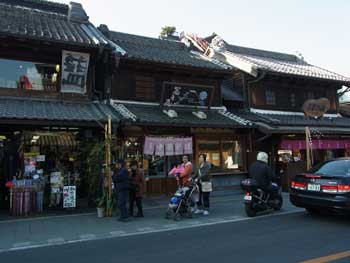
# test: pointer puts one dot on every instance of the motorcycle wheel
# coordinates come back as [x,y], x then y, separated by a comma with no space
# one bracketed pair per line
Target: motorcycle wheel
[250,211]
[279,204]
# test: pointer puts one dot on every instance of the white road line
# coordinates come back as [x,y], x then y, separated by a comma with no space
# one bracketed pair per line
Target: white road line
[143,229]
[87,236]
[15,248]
[22,244]
[55,240]
[170,225]
[117,233]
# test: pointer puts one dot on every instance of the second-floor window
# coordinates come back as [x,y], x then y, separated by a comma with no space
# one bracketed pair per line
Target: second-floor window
[145,88]
[17,74]
[270,97]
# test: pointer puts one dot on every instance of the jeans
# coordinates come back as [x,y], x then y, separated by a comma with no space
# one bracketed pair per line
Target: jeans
[122,199]
[132,199]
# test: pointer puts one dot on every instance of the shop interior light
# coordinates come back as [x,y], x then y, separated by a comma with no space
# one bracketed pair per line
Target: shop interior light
[33,141]
[36,137]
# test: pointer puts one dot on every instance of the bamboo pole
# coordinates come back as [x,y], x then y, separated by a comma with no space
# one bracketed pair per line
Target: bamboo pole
[108,137]
[308,153]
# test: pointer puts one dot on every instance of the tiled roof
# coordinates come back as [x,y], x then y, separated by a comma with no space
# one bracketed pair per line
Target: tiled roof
[154,115]
[296,122]
[163,51]
[43,20]
[25,109]
[281,63]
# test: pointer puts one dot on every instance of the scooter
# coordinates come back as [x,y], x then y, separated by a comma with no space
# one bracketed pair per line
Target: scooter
[256,200]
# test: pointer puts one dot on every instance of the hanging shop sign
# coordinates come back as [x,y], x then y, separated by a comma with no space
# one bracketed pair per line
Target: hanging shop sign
[179,94]
[316,108]
[69,196]
[75,66]
[167,146]
[315,144]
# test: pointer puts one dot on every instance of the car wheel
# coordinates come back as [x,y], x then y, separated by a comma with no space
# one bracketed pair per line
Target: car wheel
[313,211]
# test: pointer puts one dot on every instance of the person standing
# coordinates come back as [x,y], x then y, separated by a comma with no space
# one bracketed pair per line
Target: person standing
[136,190]
[205,186]
[185,175]
[122,184]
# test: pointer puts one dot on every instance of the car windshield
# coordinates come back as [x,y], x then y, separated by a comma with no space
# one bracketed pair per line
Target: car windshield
[333,168]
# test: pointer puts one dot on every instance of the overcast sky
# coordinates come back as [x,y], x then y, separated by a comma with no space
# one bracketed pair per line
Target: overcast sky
[319,29]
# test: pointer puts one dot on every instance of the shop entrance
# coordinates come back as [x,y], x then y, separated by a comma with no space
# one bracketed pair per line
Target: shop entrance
[41,170]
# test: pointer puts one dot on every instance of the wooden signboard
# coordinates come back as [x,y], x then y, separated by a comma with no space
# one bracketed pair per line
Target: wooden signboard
[182,94]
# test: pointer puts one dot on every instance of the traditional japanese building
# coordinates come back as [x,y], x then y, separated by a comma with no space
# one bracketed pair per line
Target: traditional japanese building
[170,102]
[283,94]
[51,61]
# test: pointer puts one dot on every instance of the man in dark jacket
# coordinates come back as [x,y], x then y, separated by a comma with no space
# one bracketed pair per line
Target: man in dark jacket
[261,172]
[122,185]
[136,190]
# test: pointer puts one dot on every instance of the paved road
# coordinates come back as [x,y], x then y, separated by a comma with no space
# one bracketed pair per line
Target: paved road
[24,233]
[284,238]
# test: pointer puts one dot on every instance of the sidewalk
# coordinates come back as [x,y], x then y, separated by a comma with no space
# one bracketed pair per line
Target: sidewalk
[32,232]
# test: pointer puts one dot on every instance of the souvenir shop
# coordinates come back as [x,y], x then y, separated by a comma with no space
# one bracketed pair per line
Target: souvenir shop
[157,151]
[41,170]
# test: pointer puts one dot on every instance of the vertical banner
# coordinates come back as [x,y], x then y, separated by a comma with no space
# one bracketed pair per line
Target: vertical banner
[75,66]
[149,145]
[188,146]
[69,196]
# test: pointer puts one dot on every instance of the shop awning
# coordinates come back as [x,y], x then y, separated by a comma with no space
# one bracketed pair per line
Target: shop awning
[316,144]
[49,110]
[65,139]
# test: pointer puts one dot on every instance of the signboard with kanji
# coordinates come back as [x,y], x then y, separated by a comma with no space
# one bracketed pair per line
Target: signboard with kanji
[69,196]
[179,94]
[75,66]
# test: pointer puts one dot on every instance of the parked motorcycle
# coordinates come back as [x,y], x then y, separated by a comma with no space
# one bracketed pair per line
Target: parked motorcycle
[256,200]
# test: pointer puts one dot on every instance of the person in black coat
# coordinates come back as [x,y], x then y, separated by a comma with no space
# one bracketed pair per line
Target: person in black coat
[122,185]
[261,172]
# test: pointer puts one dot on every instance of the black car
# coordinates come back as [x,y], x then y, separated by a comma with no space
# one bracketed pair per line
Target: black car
[326,187]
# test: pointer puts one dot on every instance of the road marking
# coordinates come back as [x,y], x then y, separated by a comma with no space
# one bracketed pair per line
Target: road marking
[55,240]
[117,233]
[22,244]
[170,225]
[329,258]
[143,229]
[92,237]
[87,236]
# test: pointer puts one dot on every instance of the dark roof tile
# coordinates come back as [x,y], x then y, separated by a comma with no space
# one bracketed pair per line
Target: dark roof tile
[159,50]
[24,109]
[43,20]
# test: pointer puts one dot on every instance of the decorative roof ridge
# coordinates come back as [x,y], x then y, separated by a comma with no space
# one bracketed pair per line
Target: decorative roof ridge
[175,45]
[39,5]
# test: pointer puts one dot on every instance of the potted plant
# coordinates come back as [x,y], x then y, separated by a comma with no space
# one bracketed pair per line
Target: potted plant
[101,206]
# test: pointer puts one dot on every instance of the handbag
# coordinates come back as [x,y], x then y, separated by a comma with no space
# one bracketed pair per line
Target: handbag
[207,186]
